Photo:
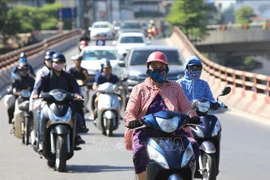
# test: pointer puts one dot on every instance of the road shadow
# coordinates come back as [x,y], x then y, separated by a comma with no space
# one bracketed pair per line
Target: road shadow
[95,169]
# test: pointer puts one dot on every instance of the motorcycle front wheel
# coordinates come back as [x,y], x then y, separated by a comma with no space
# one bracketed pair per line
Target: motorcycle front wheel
[61,153]
[209,166]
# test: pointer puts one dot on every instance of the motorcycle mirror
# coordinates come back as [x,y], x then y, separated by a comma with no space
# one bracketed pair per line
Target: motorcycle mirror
[225,91]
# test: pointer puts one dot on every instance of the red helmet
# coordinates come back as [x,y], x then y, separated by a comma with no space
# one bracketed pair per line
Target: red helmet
[157,56]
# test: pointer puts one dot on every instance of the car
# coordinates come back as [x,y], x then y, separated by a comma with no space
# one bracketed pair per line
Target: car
[101,29]
[130,26]
[91,59]
[128,40]
[133,67]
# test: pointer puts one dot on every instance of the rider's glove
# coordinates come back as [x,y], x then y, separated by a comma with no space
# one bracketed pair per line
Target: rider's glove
[133,124]
[214,106]
[195,120]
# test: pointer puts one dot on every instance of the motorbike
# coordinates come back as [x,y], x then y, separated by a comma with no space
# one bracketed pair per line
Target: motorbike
[208,136]
[59,124]
[108,108]
[23,118]
[170,156]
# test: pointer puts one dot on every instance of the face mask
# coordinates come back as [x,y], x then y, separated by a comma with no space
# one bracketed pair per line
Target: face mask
[157,75]
[194,73]
[58,67]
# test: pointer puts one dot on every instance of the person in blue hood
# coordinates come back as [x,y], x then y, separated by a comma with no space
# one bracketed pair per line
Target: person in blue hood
[194,87]
[23,59]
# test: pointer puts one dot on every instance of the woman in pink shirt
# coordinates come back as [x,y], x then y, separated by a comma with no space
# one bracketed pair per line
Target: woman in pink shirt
[153,95]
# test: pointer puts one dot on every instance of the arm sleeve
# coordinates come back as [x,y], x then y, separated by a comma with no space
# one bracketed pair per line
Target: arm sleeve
[38,87]
[133,106]
[32,70]
[208,92]
[14,72]
[184,103]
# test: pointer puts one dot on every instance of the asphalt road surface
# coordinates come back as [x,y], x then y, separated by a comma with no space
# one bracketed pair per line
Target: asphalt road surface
[244,151]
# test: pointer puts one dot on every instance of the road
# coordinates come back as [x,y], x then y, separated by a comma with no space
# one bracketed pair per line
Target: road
[244,152]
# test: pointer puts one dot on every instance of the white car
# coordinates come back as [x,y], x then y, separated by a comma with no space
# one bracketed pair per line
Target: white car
[92,55]
[128,40]
[101,28]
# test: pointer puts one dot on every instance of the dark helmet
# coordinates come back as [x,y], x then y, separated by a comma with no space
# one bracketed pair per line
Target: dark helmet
[48,54]
[58,57]
[193,61]
[23,69]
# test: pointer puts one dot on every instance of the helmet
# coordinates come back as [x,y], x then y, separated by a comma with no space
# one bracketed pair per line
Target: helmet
[58,57]
[23,57]
[105,62]
[48,54]
[22,54]
[157,56]
[76,57]
[23,69]
[193,61]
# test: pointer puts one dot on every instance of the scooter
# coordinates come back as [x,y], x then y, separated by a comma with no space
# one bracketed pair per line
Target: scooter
[208,135]
[108,108]
[23,118]
[170,156]
[59,124]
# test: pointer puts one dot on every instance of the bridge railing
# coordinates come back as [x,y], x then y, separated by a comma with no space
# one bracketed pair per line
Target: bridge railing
[12,57]
[35,53]
[256,84]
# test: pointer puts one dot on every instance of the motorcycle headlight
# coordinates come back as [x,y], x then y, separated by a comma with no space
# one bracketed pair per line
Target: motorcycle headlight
[216,129]
[168,125]
[156,156]
[204,106]
[187,155]
[59,96]
[25,94]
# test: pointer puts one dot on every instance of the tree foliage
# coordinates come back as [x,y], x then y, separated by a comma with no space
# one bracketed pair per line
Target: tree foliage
[191,17]
[244,14]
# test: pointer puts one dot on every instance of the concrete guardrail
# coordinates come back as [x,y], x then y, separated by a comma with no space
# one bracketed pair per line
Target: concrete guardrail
[250,91]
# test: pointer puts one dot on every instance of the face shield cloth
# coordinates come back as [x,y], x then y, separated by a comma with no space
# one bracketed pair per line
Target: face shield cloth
[194,73]
[157,75]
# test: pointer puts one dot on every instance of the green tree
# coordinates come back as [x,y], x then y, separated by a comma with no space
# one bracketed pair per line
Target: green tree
[191,17]
[244,14]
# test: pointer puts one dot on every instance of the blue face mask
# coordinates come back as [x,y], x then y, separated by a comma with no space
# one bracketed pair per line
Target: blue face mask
[157,76]
[194,73]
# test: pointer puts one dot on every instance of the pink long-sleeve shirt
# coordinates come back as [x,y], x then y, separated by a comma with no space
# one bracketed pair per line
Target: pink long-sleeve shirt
[142,96]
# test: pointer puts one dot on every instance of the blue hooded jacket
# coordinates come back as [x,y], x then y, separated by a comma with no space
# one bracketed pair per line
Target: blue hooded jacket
[194,87]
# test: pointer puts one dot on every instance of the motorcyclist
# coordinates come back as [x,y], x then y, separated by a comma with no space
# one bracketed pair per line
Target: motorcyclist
[151,96]
[80,73]
[105,76]
[23,59]
[57,78]
[23,81]
[47,65]
[83,42]
[194,87]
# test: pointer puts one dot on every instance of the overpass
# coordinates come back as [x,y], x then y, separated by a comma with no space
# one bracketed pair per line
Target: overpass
[251,92]
[236,40]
